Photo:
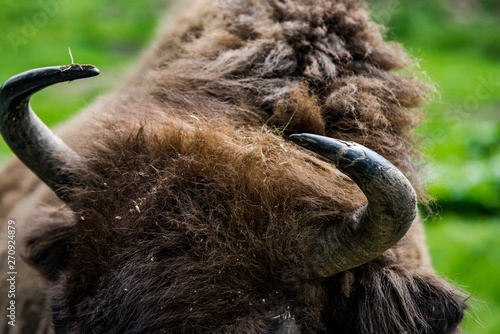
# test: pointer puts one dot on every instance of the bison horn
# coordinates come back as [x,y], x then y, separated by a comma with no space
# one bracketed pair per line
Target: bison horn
[372,229]
[27,136]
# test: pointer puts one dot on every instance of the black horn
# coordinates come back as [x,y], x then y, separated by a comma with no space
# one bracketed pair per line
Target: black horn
[374,228]
[27,136]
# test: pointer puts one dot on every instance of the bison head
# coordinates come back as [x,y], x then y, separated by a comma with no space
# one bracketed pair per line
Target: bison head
[186,241]
[182,211]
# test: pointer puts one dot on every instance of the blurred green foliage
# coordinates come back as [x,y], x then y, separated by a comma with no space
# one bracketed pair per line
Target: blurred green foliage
[458,44]
[456,41]
[466,251]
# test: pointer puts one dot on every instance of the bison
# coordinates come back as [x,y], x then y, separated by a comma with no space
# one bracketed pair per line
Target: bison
[231,185]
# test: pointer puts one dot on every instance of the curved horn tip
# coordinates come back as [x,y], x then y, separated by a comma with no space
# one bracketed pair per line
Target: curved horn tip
[334,149]
[21,86]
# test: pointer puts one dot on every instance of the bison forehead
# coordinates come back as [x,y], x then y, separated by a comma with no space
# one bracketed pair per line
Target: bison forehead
[308,66]
[218,204]
[178,220]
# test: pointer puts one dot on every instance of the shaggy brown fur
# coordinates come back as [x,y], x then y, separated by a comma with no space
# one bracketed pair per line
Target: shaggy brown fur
[194,213]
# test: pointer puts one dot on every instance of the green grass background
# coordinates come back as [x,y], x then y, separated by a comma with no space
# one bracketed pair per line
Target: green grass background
[456,41]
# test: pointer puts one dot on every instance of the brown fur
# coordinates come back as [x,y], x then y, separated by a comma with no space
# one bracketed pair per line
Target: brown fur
[195,214]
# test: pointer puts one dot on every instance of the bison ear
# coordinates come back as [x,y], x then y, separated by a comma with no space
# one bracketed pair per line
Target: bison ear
[49,245]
